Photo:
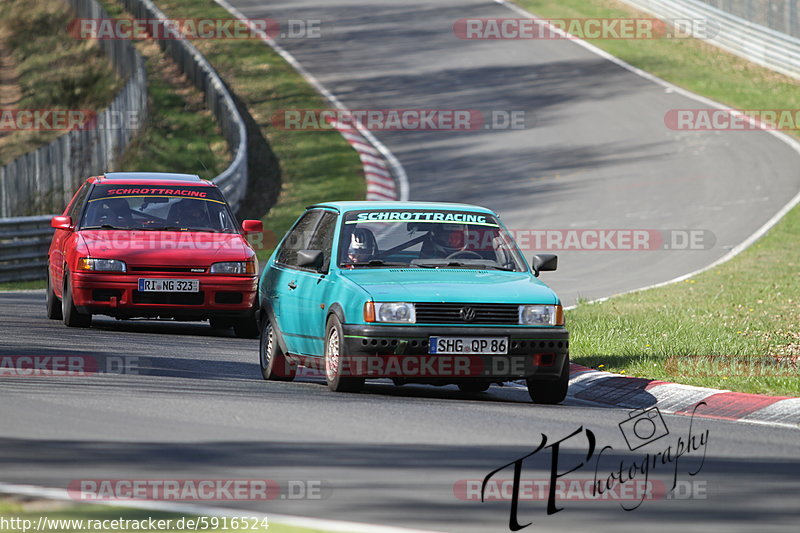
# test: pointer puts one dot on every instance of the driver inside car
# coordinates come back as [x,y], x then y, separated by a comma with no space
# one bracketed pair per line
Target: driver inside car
[191,213]
[363,246]
[444,240]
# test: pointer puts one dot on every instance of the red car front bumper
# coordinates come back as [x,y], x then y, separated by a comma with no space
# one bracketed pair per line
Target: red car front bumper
[118,295]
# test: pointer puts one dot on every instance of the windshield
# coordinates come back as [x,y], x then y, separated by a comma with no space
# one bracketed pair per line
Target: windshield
[158,208]
[426,239]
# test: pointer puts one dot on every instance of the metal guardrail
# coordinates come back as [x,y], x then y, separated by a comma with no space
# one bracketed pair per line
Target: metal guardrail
[767,47]
[44,180]
[233,181]
[24,243]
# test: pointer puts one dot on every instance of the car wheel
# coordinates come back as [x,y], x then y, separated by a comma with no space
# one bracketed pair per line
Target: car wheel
[72,317]
[334,359]
[53,303]
[474,386]
[274,365]
[246,328]
[550,391]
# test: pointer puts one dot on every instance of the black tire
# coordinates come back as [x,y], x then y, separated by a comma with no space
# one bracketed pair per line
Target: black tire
[333,360]
[53,303]
[550,392]
[274,364]
[221,323]
[246,328]
[72,317]
[474,386]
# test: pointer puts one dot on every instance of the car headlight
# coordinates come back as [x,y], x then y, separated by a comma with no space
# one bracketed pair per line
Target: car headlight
[541,315]
[389,312]
[101,265]
[234,267]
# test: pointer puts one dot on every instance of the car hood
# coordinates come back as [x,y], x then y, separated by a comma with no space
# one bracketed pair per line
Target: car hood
[452,285]
[167,248]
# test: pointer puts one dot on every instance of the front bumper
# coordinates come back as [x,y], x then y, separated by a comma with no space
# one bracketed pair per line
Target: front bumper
[117,295]
[402,353]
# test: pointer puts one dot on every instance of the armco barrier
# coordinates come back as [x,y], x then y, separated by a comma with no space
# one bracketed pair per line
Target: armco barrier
[24,243]
[754,42]
[233,181]
[43,181]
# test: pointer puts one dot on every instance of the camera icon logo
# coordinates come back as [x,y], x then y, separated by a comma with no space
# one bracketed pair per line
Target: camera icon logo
[643,426]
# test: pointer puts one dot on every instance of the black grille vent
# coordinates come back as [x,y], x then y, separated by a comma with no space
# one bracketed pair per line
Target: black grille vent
[449,313]
[191,270]
[174,298]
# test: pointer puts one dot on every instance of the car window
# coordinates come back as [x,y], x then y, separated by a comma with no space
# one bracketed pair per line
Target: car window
[298,238]
[158,208]
[426,239]
[76,206]
[322,238]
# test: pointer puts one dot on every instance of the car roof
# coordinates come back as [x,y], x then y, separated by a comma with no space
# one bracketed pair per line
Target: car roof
[152,178]
[371,205]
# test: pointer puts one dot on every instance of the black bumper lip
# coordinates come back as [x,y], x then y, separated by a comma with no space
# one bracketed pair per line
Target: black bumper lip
[366,343]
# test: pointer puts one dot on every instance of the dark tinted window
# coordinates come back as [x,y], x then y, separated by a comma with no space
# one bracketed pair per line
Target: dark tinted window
[298,238]
[77,205]
[322,239]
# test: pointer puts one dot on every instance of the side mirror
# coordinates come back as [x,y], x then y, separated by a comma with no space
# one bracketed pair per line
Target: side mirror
[60,222]
[310,258]
[252,226]
[544,263]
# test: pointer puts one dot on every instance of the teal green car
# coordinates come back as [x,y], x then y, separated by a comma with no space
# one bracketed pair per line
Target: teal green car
[415,292]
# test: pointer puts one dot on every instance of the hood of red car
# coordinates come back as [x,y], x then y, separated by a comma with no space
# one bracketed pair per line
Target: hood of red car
[166,248]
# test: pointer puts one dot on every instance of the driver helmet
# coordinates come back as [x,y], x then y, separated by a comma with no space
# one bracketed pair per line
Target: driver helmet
[449,238]
[362,246]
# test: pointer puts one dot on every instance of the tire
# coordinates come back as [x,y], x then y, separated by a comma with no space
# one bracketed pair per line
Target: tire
[273,362]
[53,303]
[72,318]
[333,360]
[550,392]
[474,386]
[246,328]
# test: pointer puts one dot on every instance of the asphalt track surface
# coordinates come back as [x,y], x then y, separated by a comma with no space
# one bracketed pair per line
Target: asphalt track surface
[196,407]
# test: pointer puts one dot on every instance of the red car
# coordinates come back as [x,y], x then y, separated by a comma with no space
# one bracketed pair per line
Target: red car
[135,244]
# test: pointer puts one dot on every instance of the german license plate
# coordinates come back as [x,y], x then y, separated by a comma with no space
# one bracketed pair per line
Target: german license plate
[169,285]
[468,345]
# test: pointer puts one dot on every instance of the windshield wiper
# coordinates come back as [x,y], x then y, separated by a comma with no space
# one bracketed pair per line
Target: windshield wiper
[103,226]
[477,266]
[375,263]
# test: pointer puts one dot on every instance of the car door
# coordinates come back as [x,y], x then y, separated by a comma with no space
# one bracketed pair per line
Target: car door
[281,280]
[312,288]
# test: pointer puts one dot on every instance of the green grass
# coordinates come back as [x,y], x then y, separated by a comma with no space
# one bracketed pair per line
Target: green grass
[181,134]
[746,311]
[23,285]
[32,510]
[55,71]
[315,166]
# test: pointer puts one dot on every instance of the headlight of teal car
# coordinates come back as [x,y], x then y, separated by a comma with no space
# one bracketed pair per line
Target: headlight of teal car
[234,267]
[389,312]
[541,315]
[101,265]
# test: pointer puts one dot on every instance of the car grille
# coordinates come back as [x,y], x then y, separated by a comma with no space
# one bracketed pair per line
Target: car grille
[173,298]
[190,270]
[450,313]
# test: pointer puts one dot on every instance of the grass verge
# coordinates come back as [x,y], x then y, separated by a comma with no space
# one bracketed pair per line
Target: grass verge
[315,166]
[53,70]
[68,517]
[737,326]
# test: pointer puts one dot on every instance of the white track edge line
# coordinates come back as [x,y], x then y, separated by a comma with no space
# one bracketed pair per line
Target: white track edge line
[397,167]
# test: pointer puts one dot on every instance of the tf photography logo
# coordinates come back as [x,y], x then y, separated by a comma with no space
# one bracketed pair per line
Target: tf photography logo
[613,475]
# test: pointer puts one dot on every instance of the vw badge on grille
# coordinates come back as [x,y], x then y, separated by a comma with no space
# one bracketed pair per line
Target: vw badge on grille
[467,314]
